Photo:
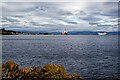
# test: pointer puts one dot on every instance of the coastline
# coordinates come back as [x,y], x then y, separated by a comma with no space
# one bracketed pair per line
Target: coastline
[11,32]
[10,71]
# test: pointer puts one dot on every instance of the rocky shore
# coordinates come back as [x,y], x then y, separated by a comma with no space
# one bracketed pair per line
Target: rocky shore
[11,71]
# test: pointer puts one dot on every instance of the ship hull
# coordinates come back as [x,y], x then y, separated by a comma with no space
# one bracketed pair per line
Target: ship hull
[102,33]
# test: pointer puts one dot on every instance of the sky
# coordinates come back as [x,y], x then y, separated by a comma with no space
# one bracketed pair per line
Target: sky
[57,16]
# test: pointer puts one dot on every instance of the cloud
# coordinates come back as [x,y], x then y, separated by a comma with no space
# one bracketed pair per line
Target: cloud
[57,16]
[60,1]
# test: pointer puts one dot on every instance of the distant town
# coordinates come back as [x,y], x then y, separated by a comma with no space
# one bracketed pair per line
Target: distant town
[10,32]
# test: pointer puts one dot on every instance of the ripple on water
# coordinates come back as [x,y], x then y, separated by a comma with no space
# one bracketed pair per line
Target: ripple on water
[90,56]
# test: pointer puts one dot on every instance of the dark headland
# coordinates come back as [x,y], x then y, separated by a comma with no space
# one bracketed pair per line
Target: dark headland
[11,32]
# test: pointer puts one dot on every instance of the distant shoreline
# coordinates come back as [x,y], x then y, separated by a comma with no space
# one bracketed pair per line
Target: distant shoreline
[10,32]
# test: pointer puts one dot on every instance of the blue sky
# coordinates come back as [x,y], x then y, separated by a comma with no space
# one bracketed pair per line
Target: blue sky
[57,16]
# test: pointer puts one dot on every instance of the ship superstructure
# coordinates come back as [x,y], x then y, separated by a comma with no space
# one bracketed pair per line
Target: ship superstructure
[65,32]
[102,33]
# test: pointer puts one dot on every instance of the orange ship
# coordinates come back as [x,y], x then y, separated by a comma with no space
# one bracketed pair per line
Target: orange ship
[64,33]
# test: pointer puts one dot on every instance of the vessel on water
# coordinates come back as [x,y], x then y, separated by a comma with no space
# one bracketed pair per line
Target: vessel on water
[102,33]
[65,32]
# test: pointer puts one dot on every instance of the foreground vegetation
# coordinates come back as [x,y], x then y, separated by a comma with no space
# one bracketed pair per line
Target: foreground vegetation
[11,71]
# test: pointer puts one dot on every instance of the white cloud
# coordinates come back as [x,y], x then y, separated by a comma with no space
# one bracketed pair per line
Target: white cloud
[59,0]
[80,16]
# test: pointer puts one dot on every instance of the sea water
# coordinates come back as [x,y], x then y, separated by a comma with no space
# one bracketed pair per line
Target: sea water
[90,56]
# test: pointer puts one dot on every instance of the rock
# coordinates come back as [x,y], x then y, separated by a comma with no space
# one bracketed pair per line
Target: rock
[74,76]
[11,71]
[54,71]
[27,70]
[11,66]
[34,72]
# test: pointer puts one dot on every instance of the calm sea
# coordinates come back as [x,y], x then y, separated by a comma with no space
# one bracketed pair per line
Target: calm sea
[90,56]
